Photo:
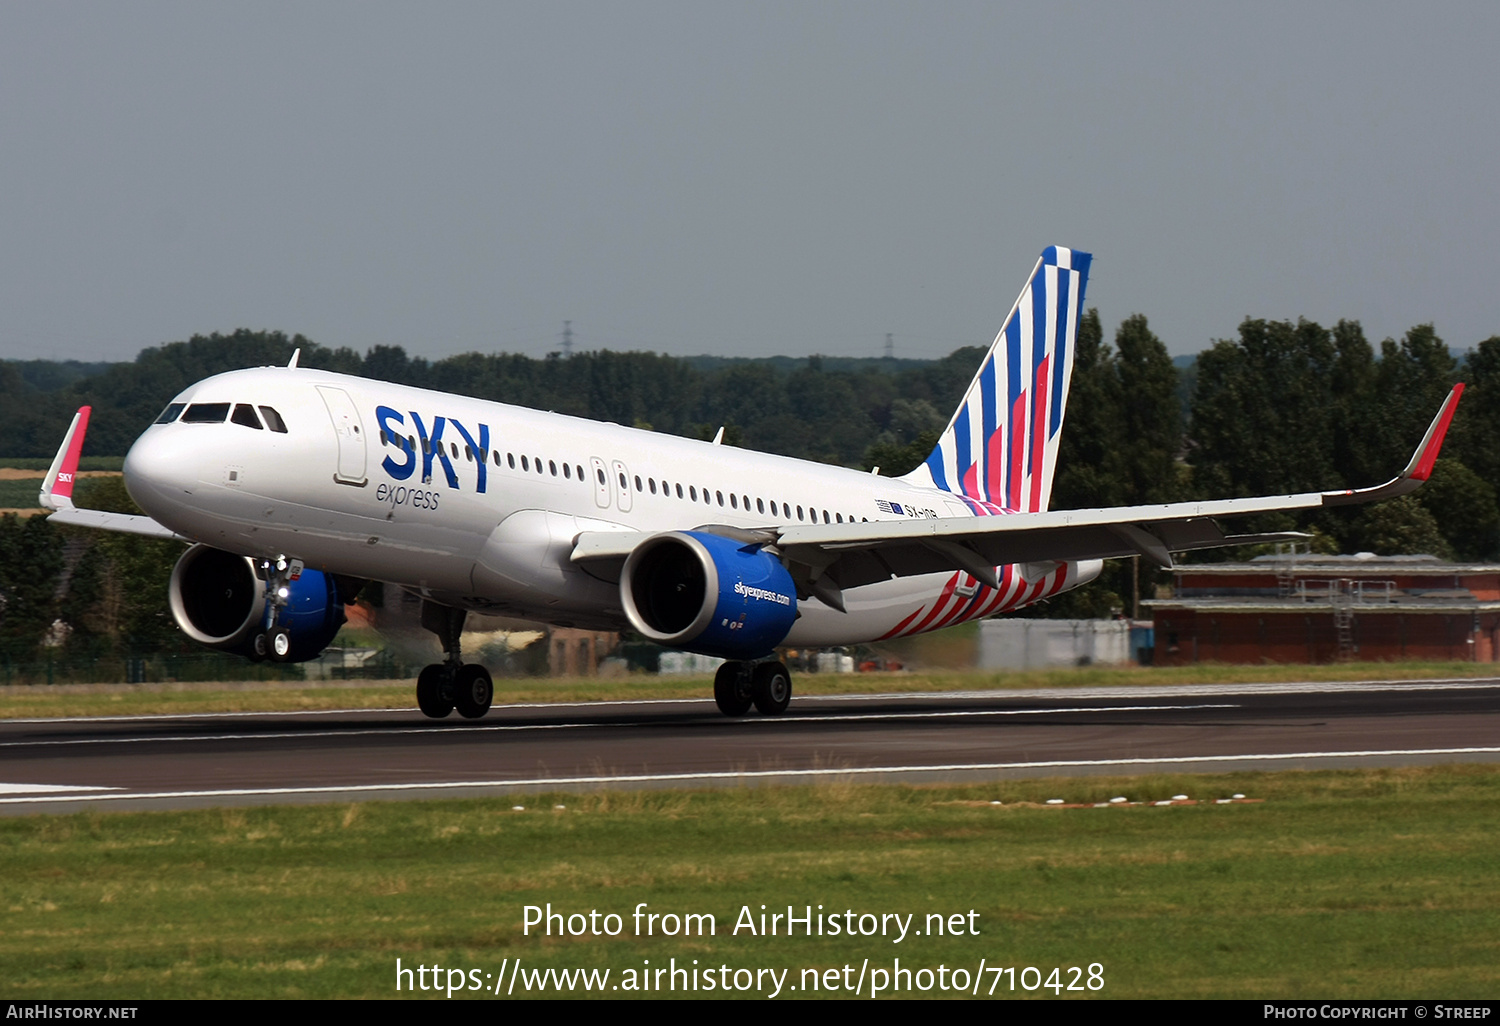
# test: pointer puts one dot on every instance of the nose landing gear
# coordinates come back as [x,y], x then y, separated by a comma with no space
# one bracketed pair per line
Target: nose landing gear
[452,684]
[273,641]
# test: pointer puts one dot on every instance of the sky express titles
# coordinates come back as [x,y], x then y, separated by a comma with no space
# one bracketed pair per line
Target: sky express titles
[431,445]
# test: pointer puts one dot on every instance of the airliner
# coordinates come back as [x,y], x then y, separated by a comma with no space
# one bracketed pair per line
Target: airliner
[294,487]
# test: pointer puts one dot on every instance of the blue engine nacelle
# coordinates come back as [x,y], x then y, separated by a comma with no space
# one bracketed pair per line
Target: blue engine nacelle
[219,601]
[709,594]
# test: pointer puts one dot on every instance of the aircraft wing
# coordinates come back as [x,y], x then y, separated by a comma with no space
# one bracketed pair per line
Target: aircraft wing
[855,554]
[57,491]
[121,522]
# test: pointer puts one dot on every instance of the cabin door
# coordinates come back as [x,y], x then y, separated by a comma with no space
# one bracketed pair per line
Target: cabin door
[351,436]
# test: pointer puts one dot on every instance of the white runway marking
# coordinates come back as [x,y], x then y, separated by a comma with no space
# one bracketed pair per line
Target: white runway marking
[51,789]
[518,727]
[652,778]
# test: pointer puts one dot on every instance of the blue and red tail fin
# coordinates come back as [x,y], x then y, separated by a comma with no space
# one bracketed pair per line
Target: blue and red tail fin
[1000,448]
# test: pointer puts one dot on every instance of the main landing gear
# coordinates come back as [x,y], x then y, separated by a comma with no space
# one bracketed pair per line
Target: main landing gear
[767,686]
[443,687]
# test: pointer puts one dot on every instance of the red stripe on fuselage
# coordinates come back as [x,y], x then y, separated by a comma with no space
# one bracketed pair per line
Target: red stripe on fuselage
[896,630]
[937,606]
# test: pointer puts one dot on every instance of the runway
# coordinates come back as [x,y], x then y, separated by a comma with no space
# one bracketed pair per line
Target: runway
[119,763]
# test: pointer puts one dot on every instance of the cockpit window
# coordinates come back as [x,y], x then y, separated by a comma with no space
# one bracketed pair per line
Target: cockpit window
[206,413]
[273,420]
[244,414]
[170,413]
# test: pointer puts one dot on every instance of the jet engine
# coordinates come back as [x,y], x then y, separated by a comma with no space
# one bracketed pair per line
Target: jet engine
[708,594]
[219,601]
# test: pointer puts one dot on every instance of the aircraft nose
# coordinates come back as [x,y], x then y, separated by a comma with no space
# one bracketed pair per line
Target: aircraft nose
[158,474]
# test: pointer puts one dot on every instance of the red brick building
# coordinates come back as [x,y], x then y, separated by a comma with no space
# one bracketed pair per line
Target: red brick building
[1319,609]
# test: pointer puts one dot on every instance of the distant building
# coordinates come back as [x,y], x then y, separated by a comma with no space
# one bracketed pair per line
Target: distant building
[1018,643]
[1303,608]
[576,653]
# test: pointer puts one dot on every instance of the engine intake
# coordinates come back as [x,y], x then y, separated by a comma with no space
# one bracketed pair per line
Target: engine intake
[709,594]
[219,601]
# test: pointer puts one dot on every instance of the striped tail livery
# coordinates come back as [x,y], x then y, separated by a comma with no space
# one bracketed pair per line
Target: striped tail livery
[1000,449]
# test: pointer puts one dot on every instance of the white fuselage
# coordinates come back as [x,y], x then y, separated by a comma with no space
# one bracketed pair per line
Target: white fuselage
[339,491]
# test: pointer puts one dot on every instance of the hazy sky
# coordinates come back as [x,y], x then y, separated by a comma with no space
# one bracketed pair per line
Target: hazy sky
[746,178]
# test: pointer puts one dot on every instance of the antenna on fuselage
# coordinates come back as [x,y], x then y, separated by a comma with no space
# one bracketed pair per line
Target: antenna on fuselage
[719,436]
[292,363]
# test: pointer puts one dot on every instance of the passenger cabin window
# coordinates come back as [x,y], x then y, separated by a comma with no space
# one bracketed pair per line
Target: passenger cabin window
[552,466]
[652,482]
[524,464]
[510,458]
[720,497]
[693,493]
[566,472]
[760,505]
[733,501]
[678,486]
[579,468]
[538,464]
[273,420]
[206,413]
[244,415]
[638,483]
[170,413]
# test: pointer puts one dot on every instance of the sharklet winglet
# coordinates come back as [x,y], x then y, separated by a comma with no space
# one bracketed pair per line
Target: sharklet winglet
[57,487]
[1418,468]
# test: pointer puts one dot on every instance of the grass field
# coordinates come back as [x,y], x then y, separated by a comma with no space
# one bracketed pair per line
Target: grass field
[19,493]
[1373,884]
[193,697]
